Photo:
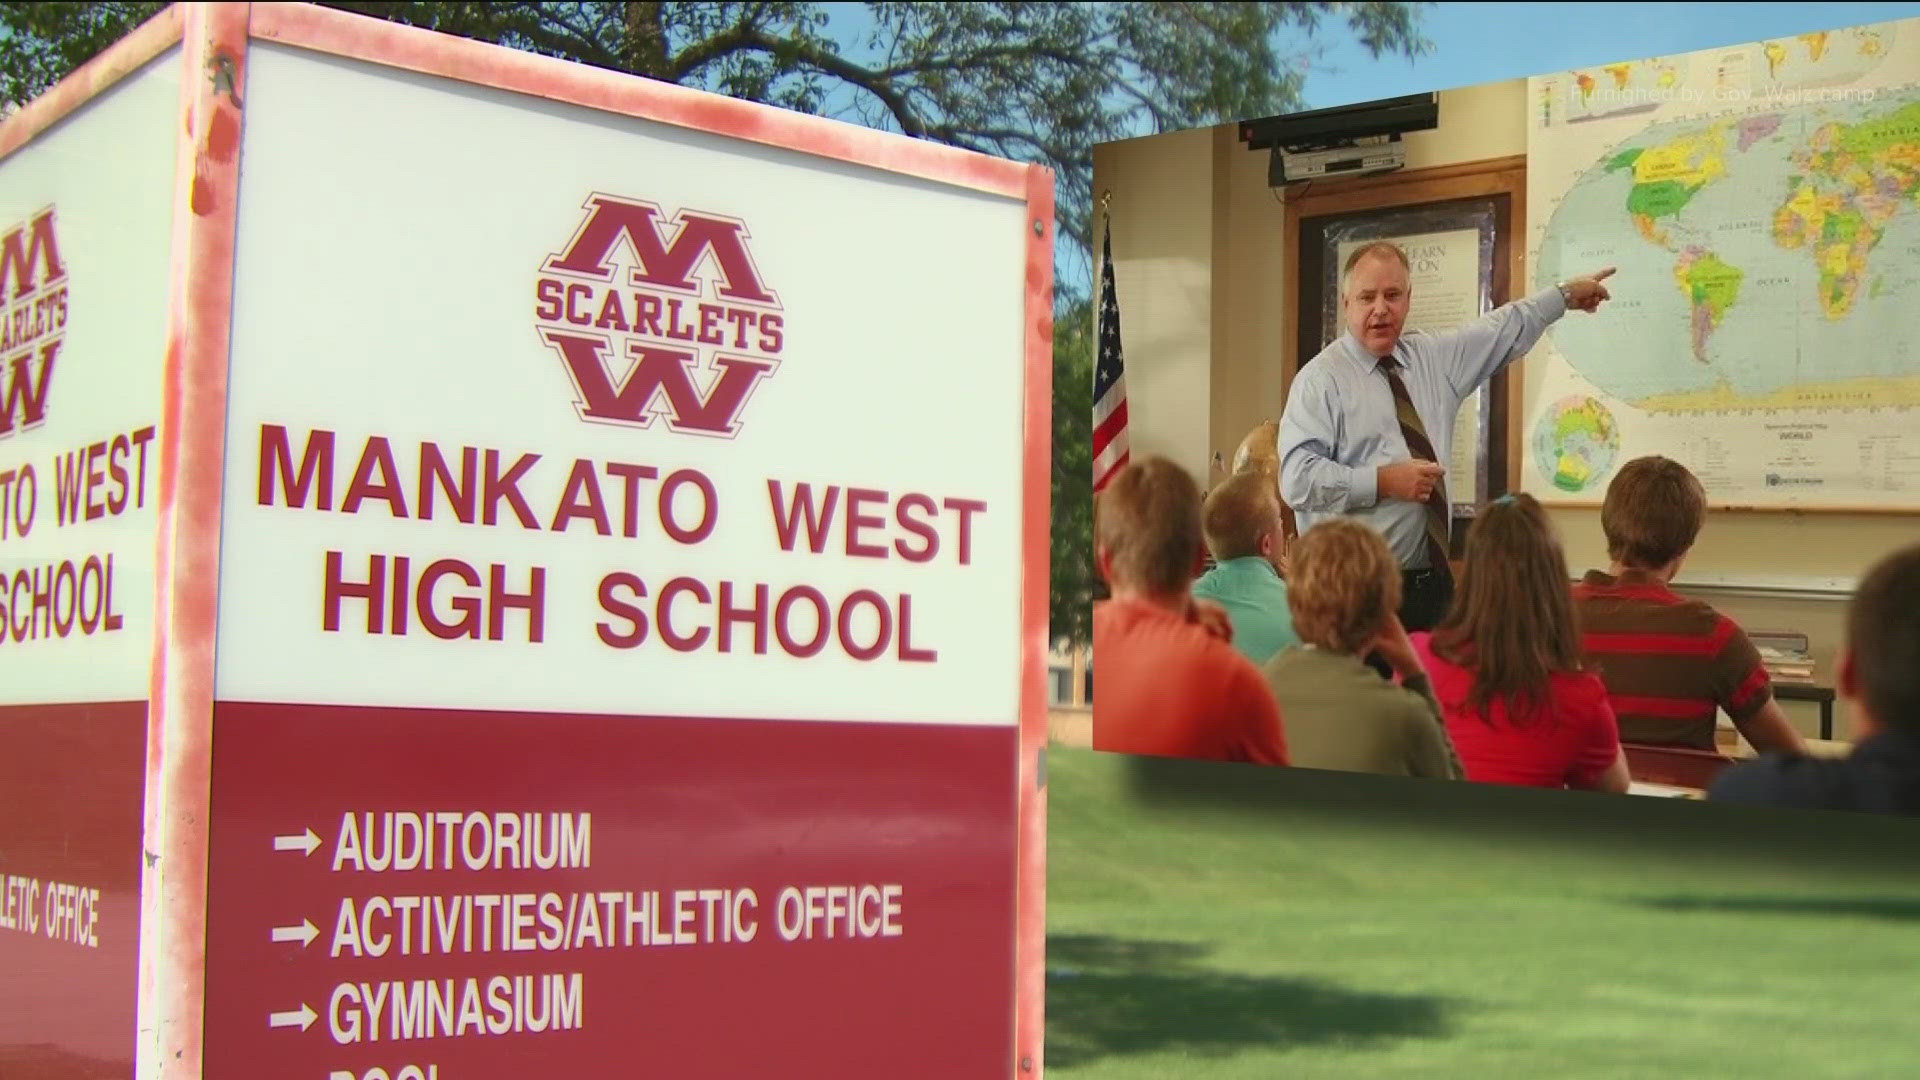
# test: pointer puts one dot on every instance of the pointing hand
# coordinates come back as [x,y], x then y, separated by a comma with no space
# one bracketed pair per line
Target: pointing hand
[1587,293]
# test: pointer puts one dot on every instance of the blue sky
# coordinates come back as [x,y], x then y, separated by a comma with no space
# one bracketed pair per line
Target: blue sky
[1477,43]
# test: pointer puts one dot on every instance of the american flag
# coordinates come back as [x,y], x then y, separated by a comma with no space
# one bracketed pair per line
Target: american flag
[1109,378]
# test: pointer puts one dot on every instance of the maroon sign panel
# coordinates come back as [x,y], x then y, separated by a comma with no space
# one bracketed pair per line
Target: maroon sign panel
[71,784]
[433,895]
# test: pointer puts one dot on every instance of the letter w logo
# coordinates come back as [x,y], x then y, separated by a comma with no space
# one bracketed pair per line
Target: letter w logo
[24,401]
[661,263]
[658,373]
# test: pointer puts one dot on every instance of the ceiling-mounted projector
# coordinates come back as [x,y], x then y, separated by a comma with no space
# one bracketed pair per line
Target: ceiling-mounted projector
[1348,140]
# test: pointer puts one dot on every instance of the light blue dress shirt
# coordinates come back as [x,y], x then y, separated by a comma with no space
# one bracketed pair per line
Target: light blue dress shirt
[1340,426]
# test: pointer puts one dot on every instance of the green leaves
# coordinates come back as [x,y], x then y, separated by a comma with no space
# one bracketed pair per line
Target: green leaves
[1070,596]
[40,44]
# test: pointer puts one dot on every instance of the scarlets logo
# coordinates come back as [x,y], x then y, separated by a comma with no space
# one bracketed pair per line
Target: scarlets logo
[658,316]
[33,320]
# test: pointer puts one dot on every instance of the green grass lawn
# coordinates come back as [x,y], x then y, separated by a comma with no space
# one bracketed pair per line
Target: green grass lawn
[1225,921]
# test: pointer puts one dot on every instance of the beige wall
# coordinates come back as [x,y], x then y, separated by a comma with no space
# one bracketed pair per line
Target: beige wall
[1200,270]
[1476,123]
[1162,216]
[1250,321]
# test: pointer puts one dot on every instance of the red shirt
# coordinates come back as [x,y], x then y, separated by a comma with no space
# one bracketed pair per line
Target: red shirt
[1671,663]
[1570,743]
[1164,686]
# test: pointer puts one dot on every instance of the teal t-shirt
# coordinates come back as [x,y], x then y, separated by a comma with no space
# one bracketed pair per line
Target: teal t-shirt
[1256,602]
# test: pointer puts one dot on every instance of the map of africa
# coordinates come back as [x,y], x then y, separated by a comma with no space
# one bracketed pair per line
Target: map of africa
[1761,206]
[1770,254]
[1575,443]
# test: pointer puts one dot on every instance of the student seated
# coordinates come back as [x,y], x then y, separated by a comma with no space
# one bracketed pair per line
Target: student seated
[1169,682]
[1344,590]
[1506,664]
[1879,675]
[1242,525]
[1668,661]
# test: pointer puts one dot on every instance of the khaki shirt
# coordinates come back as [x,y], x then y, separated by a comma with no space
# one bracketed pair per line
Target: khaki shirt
[1339,714]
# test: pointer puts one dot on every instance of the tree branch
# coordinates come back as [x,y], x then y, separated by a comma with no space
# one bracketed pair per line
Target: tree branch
[828,63]
[1161,119]
[694,57]
[1085,61]
[964,137]
[586,47]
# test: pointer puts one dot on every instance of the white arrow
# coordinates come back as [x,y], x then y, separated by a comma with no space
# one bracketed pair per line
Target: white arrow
[304,933]
[303,1019]
[305,841]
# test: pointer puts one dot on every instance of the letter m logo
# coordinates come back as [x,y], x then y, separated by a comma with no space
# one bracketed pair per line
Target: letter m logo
[664,258]
[23,250]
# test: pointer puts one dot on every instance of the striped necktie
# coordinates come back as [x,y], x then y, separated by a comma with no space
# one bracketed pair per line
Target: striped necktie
[1415,432]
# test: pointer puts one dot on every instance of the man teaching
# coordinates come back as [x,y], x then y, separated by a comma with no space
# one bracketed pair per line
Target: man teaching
[1367,418]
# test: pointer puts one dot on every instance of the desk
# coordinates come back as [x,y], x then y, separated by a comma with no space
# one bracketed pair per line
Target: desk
[1819,748]
[1673,766]
[1789,691]
[1664,791]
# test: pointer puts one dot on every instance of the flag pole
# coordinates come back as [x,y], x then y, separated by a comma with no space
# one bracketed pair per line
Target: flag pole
[1106,228]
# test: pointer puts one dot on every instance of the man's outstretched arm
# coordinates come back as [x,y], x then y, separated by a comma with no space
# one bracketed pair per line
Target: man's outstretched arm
[1481,348]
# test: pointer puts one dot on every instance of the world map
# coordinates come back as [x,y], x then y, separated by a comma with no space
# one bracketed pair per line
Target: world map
[1768,258]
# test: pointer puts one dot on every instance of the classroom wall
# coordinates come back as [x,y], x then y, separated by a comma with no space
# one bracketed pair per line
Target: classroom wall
[1162,217]
[1250,320]
[1200,272]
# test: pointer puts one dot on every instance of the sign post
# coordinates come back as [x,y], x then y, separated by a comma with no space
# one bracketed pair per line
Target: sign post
[601,541]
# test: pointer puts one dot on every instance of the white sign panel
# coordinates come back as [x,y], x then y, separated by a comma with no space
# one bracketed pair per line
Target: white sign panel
[85,214]
[545,408]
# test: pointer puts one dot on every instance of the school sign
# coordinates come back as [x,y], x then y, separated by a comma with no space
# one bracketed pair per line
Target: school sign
[508,567]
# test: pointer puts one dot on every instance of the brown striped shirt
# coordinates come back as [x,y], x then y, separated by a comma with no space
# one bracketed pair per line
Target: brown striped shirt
[1668,661]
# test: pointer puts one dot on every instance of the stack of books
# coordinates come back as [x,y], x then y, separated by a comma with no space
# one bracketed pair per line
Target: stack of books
[1785,655]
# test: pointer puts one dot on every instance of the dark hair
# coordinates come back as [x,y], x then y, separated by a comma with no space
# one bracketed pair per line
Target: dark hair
[1148,519]
[1883,635]
[1512,618]
[1653,512]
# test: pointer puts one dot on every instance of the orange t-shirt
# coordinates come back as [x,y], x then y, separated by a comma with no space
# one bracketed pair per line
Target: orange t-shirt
[1167,687]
